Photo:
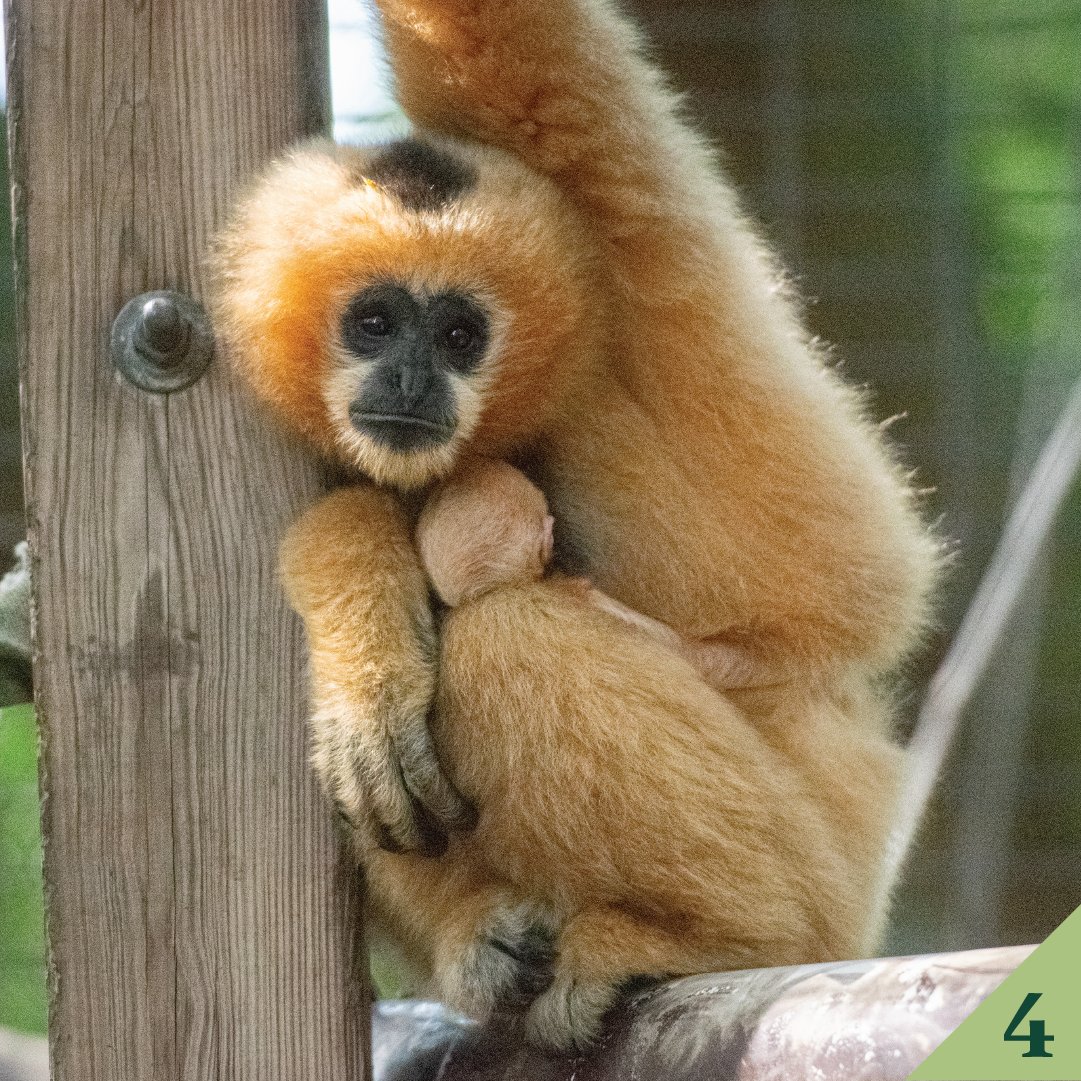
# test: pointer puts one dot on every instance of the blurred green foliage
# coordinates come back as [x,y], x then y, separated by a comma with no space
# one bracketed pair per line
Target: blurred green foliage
[1019,155]
[1007,112]
[22,940]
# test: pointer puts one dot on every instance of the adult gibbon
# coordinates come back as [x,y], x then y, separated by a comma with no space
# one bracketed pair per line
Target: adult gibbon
[551,271]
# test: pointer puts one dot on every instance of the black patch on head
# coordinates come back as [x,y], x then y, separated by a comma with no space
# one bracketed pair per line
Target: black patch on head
[419,175]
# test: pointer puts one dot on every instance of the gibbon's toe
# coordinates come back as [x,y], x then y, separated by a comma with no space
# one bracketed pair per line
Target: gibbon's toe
[531,946]
[569,1015]
[510,962]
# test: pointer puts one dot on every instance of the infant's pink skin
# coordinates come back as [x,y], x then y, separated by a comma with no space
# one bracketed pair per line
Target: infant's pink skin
[548,542]
[727,667]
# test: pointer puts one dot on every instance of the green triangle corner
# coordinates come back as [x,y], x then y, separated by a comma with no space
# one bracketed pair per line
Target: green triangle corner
[977,1049]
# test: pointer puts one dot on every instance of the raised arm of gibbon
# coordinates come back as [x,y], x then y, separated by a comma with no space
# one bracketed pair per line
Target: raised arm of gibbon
[563,86]
[733,488]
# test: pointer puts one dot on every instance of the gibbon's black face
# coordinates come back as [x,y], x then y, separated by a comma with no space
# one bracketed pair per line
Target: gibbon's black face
[415,350]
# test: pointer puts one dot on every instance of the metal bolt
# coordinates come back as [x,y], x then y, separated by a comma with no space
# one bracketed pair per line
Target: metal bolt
[162,341]
[162,331]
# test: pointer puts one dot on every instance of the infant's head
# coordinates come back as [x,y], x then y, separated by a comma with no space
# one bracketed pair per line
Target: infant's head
[487,526]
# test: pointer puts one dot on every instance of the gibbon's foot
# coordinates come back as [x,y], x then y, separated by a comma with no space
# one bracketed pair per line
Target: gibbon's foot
[602,954]
[509,964]
[388,785]
[533,955]
[568,1016]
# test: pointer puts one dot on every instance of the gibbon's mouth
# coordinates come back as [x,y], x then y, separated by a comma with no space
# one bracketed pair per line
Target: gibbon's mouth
[401,431]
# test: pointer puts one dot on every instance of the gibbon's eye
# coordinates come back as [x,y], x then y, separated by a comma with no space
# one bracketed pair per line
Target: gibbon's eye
[375,316]
[378,326]
[370,324]
[458,338]
[461,331]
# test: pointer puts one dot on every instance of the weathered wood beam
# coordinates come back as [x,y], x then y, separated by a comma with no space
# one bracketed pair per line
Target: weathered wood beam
[846,1021]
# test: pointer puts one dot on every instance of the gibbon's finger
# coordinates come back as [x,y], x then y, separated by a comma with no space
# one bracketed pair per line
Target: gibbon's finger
[393,819]
[343,819]
[432,842]
[423,776]
[360,774]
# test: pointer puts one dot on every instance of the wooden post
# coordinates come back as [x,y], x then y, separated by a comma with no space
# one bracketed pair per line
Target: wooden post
[201,924]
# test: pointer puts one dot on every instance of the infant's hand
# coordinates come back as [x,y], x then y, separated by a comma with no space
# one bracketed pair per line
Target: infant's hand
[579,588]
[729,667]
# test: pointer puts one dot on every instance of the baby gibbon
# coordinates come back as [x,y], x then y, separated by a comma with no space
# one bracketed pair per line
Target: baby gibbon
[489,526]
[631,826]
[552,271]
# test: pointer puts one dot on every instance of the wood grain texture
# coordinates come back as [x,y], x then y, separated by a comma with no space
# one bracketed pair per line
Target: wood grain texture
[201,922]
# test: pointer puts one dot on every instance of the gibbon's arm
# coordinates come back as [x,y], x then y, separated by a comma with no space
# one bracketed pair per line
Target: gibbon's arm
[788,520]
[350,571]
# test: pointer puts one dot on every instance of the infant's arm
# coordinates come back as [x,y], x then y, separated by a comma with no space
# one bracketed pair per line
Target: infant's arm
[722,665]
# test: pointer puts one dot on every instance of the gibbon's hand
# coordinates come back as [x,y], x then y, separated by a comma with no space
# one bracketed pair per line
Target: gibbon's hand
[380,765]
[350,570]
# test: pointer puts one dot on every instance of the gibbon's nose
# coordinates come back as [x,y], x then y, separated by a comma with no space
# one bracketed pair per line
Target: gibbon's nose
[414,381]
[405,406]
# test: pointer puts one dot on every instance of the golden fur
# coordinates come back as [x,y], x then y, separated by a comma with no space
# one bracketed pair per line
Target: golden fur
[710,472]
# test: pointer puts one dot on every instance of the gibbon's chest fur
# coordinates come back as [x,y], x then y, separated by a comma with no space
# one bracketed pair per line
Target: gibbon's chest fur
[618,461]
[704,465]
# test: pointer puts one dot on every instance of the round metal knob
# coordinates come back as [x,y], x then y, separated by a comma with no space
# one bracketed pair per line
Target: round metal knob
[162,341]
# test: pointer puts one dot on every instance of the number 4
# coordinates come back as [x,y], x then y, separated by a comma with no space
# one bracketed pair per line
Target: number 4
[1037,1038]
